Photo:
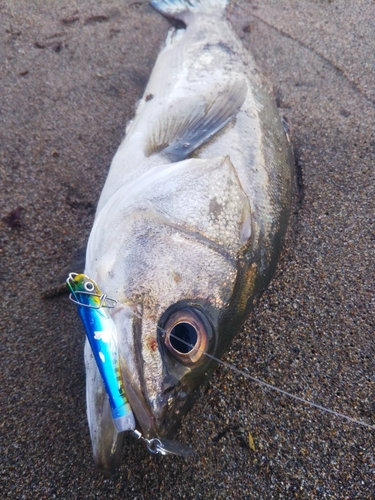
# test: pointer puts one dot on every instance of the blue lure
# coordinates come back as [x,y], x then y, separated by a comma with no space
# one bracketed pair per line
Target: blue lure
[102,335]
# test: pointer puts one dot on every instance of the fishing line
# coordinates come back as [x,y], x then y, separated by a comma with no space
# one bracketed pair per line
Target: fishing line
[229,366]
[277,389]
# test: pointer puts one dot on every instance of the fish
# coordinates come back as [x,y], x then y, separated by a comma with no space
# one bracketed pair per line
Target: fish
[190,223]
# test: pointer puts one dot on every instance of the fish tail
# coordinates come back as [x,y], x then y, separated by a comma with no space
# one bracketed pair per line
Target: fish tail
[179,9]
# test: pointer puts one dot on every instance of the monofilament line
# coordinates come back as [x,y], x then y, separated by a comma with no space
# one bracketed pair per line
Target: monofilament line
[265,384]
[272,387]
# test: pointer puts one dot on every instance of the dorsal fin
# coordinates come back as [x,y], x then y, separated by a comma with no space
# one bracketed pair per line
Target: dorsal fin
[190,122]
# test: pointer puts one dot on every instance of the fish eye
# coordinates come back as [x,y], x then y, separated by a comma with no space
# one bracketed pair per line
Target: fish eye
[183,337]
[89,287]
[187,335]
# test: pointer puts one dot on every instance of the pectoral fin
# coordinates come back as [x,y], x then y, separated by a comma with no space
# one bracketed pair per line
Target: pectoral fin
[188,123]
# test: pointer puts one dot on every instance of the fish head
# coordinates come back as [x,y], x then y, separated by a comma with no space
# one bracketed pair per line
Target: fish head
[175,252]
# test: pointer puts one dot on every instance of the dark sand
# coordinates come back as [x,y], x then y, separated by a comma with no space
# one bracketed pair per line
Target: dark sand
[71,73]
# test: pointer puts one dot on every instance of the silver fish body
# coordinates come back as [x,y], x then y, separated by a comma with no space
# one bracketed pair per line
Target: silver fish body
[190,223]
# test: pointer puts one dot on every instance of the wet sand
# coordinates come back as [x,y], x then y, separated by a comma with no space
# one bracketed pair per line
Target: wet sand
[71,74]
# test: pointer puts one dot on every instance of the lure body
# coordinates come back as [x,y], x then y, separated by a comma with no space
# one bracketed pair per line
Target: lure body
[102,335]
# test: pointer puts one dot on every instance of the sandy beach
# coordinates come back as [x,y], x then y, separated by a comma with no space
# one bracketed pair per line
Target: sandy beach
[70,77]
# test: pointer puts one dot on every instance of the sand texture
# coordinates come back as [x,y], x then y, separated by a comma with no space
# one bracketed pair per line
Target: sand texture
[70,76]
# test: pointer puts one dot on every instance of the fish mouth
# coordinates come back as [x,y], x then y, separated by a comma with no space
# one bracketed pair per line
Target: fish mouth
[169,409]
[145,420]
[158,417]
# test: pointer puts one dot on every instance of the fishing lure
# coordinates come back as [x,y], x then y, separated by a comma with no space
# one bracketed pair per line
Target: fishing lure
[102,335]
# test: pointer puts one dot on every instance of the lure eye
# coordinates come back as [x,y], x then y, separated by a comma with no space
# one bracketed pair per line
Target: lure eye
[187,335]
[89,287]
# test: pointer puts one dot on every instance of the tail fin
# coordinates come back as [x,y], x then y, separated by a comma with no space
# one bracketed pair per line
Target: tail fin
[178,9]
